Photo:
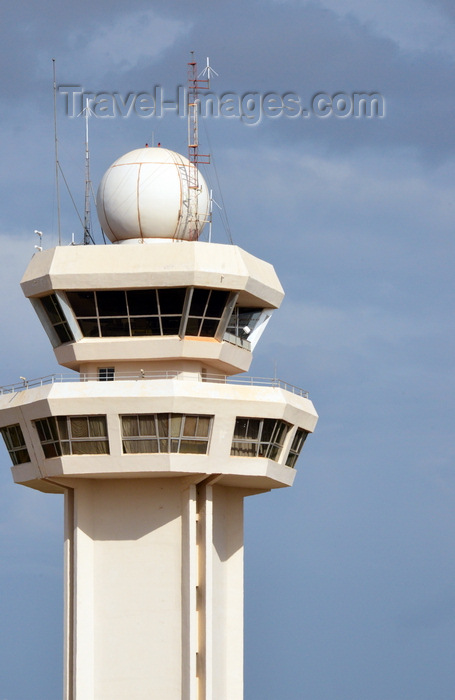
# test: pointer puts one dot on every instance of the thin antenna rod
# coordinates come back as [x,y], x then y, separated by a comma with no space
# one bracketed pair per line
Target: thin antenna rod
[57,165]
[212,202]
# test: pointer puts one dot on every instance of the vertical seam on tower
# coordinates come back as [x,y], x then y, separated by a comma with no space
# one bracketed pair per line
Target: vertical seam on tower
[205,585]
[189,592]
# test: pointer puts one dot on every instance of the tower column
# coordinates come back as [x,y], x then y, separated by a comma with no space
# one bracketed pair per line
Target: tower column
[154,601]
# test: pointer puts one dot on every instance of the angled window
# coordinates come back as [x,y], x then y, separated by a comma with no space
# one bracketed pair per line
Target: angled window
[53,309]
[206,309]
[259,437]
[15,444]
[243,321]
[73,435]
[166,432]
[296,447]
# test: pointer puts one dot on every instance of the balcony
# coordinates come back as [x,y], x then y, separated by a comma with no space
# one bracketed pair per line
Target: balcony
[143,375]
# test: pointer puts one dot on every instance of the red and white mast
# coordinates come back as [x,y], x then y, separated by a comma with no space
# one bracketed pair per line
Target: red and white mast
[196,83]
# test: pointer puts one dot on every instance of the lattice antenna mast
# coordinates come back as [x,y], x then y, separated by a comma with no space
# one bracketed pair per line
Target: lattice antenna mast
[196,83]
[88,184]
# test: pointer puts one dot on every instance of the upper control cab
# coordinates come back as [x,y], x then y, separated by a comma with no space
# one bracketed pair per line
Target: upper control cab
[194,306]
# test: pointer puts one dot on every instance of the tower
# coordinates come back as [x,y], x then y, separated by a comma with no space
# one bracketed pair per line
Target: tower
[156,438]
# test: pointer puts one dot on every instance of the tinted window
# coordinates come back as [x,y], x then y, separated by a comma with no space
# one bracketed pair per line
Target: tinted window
[142,302]
[83,303]
[111,303]
[171,300]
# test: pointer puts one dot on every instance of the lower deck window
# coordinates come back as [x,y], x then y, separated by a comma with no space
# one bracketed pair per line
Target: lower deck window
[259,437]
[166,432]
[15,444]
[296,447]
[73,435]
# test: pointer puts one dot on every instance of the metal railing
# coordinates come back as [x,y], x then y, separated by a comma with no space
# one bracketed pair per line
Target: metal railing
[143,375]
[237,340]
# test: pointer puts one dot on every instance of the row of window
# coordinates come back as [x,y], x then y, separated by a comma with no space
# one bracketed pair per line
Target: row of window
[153,433]
[143,312]
[149,311]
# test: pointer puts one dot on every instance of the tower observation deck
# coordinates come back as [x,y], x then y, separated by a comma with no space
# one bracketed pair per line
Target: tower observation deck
[158,444]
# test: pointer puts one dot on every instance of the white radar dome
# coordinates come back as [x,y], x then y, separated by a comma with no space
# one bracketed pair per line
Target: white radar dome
[152,193]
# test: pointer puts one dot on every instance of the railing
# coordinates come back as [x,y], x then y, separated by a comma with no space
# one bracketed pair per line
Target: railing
[237,340]
[147,375]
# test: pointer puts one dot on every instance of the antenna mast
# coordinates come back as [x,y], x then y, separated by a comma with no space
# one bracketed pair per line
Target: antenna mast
[88,184]
[57,164]
[195,84]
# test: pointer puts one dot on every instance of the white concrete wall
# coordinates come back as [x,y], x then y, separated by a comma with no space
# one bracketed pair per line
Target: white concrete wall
[227,597]
[154,590]
[168,264]
[127,590]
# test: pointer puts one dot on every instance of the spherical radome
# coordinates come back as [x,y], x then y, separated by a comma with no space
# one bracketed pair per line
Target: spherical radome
[149,193]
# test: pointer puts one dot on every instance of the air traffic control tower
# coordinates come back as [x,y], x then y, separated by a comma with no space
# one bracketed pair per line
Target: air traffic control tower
[156,438]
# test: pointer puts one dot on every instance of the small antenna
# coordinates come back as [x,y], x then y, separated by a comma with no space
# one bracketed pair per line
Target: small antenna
[57,165]
[208,70]
[212,202]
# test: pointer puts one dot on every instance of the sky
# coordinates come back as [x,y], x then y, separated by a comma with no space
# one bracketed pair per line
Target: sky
[349,575]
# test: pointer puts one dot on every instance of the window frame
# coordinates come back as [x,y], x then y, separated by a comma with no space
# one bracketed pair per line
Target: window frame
[169,434]
[15,451]
[106,374]
[50,303]
[57,438]
[297,444]
[258,443]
